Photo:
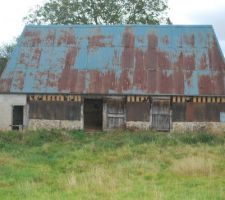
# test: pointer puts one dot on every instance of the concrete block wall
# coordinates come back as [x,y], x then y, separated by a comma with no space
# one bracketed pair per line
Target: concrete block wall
[6,105]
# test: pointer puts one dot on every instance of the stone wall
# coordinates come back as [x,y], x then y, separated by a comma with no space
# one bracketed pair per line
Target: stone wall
[211,127]
[7,101]
[35,124]
[138,125]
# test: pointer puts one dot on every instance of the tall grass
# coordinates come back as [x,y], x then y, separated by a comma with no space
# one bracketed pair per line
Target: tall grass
[61,164]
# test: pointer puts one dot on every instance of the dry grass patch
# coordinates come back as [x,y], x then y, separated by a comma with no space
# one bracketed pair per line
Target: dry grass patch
[194,165]
[71,181]
[99,180]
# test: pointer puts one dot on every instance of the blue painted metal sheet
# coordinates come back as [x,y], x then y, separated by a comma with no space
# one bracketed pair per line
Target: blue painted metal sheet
[129,59]
[222,117]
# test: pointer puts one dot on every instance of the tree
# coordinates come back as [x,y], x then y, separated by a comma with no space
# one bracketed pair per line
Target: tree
[100,12]
[5,53]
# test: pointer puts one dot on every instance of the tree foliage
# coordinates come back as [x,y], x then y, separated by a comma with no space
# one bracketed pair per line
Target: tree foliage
[5,53]
[99,12]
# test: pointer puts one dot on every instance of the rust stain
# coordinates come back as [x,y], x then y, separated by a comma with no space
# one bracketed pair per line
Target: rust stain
[188,78]
[19,80]
[50,39]
[140,75]
[189,62]
[69,75]
[5,84]
[186,61]
[164,82]
[52,80]
[108,81]
[128,53]
[95,81]
[203,64]
[189,114]
[189,40]
[180,60]
[97,41]
[30,58]
[218,82]
[205,85]
[163,60]
[152,41]
[22,58]
[124,83]
[152,79]
[36,57]
[40,80]
[34,36]
[178,81]
[216,59]
[67,38]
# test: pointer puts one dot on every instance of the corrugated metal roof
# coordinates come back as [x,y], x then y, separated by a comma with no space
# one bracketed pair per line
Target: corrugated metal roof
[129,59]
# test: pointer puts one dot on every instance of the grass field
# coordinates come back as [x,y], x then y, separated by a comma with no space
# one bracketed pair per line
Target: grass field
[118,165]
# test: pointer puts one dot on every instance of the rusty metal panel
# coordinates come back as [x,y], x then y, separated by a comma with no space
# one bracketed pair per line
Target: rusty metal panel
[178,112]
[138,111]
[54,110]
[119,59]
[197,112]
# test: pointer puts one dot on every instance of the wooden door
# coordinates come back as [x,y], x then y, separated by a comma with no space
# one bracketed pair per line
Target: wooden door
[161,114]
[115,114]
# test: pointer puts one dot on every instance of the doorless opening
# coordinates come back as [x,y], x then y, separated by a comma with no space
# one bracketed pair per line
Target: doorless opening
[93,114]
[17,118]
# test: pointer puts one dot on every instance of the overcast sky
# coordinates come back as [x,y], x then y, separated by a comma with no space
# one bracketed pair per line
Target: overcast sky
[181,12]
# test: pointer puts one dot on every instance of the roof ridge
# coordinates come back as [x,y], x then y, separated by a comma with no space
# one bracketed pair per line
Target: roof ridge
[120,25]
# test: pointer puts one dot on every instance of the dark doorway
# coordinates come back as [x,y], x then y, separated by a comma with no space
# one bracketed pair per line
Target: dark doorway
[17,118]
[93,114]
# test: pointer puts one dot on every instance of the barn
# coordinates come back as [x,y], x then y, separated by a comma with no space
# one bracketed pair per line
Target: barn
[98,77]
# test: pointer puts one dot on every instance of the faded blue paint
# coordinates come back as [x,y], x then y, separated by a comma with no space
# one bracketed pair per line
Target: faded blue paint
[96,57]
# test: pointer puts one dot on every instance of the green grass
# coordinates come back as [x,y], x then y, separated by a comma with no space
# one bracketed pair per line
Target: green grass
[122,165]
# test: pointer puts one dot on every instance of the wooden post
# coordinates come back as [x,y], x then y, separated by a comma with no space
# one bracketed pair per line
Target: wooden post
[82,114]
[26,116]
[104,115]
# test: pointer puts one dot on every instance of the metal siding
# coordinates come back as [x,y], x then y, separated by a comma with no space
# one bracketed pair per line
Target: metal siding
[197,112]
[54,110]
[131,59]
[178,112]
[138,111]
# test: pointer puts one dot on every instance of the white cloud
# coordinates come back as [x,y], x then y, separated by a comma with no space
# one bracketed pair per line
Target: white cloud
[200,12]
[11,17]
